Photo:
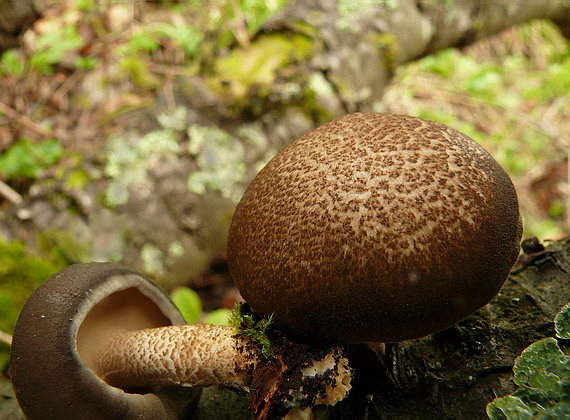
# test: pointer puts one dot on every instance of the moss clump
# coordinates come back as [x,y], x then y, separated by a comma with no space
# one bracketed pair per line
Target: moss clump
[253,69]
[70,245]
[388,48]
[251,325]
[319,94]
[20,273]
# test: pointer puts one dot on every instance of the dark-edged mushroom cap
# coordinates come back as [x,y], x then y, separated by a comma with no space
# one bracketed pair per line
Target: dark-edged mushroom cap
[375,227]
[61,328]
[97,341]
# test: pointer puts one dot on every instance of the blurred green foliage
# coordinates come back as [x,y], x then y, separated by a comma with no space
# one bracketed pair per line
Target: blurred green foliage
[219,24]
[495,85]
[542,373]
[184,36]
[52,46]
[255,12]
[11,64]
[28,159]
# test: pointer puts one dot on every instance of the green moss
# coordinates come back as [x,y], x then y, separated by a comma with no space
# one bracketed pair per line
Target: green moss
[68,245]
[138,72]
[318,93]
[255,68]
[251,325]
[388,47]
[20,273]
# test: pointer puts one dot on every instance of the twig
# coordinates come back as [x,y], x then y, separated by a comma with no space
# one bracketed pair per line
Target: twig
[24,120]
[6,338]
[169,97]
[10,193]
[66,86]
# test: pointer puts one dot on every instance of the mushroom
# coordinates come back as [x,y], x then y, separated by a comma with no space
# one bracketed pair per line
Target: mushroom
[375,228]
[98,341]
[371,228]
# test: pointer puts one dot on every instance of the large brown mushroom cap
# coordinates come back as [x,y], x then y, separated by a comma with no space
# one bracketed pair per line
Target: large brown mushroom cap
[375,227]
[61,328]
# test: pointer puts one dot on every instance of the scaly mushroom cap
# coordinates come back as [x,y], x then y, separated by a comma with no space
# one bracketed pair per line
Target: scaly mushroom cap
[58,335]
[375,227]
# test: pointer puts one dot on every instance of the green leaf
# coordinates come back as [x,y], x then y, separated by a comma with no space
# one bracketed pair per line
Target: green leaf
[562,323]
[509,407]
[218,317]
[542,372]
[541,366]
[21,271]
[188,303]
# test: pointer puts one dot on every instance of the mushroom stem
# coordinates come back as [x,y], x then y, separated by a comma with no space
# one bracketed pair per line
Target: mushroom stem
[205,355]
[192,355]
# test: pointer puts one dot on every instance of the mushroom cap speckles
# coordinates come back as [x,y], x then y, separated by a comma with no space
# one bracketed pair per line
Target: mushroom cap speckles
[375,227]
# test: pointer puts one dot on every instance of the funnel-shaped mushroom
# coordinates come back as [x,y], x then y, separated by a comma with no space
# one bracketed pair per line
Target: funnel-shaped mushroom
[98,341]
[59,333]
[375,227]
